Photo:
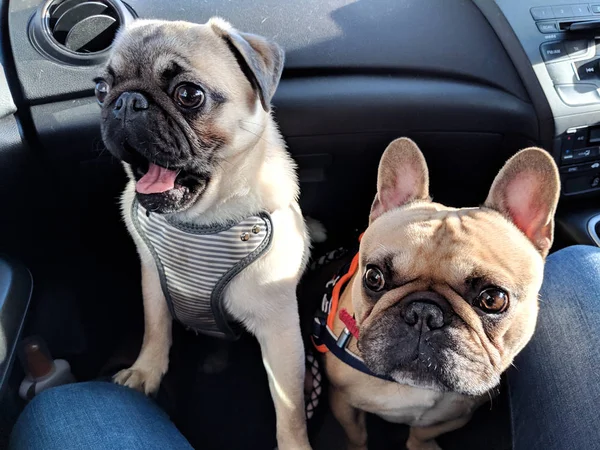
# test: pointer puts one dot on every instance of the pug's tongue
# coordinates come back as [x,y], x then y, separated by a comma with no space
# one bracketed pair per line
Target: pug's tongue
[157,180]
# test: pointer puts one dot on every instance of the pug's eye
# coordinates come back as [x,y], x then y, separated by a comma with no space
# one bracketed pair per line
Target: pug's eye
[373,279]
[492,301]
[189,96]
[101,91]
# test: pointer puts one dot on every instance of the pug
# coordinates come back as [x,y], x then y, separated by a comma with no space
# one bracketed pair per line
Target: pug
[438,300]
[211,201]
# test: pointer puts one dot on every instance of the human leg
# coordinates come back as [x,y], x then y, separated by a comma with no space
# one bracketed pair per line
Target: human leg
[555,386]
[95,416]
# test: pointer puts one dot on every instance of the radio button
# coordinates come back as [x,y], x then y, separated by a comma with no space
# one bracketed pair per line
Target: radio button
[543,12]
[576,48]
[580,10]
[552,51]
[562,11]
[547,27]
[588,70]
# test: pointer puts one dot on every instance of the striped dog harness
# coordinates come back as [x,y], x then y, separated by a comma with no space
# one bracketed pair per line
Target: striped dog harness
[196,264]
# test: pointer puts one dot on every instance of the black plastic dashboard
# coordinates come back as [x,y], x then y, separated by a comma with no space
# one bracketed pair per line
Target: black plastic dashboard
[464,78]
[330,35]
[357,74]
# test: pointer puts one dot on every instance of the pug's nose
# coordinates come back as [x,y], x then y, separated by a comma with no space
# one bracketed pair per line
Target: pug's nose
[424,315]
[129,105]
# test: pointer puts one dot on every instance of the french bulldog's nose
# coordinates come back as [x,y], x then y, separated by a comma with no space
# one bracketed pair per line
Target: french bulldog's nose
[129,104]
[424,314]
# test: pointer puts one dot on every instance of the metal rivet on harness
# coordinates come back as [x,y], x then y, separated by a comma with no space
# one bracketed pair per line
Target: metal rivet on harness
[256,229]
[245,237]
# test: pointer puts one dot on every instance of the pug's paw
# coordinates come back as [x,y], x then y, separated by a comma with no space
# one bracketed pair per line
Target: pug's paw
[144,379]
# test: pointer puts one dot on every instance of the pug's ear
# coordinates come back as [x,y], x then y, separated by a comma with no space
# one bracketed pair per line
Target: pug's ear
[260,59]
[402,177]
[526,192]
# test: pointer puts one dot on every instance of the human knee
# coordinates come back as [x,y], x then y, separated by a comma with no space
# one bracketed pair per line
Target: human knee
[574,269]
[578,256]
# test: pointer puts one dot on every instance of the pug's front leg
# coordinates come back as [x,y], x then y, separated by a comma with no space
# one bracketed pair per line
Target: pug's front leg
[152,363]
[283,356]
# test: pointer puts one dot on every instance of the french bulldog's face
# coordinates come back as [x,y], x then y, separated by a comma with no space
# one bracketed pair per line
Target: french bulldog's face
[178,99]
[445,298]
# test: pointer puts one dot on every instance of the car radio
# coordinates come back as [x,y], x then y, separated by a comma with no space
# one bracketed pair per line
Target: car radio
[572,56]
[562,42]
[580,160]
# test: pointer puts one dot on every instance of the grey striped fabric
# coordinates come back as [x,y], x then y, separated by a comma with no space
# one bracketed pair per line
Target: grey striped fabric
[196,264]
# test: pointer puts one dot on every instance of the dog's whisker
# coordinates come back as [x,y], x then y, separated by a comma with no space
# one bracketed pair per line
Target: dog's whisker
[257,135]
[253,123]
[383,247]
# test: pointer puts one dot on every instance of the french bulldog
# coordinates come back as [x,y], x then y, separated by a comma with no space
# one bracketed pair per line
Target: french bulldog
[211,201]
[443,298]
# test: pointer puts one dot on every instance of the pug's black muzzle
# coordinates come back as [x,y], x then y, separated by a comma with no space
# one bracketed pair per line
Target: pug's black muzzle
[139,132]
[137,127]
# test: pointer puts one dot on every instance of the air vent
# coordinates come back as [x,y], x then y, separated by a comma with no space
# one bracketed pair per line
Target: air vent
[78,32]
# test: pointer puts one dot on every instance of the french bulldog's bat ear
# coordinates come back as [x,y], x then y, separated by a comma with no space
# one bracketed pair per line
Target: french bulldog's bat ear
[402,177]
[260,59]
[526,191]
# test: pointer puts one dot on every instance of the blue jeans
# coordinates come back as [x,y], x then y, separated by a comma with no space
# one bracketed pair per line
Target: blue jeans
[95,416]
[554,392]
[555,387]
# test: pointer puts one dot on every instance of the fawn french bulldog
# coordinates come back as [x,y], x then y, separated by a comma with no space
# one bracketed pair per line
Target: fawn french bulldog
[439,299]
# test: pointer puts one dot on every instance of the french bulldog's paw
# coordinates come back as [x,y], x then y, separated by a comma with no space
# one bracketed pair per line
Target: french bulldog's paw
[145,380]
[414,444]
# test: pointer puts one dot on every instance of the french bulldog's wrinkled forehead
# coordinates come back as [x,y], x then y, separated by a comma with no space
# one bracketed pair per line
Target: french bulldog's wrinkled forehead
[433,241]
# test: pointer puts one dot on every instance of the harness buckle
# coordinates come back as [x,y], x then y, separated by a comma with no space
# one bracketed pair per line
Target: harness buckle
[344,338]
[318,326]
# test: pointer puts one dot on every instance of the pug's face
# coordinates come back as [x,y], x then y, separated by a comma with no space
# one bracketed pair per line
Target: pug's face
[445,297]
[178,99]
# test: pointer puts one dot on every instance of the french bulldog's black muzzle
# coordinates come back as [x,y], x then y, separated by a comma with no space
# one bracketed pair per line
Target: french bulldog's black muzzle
[409,336]
[423,314]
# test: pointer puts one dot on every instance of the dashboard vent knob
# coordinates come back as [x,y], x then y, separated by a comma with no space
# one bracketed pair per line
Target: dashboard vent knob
[78,32]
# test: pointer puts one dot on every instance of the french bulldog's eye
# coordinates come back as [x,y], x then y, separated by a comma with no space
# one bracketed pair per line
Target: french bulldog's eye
[189,96]
[374,279]
[492,301]
[101,91]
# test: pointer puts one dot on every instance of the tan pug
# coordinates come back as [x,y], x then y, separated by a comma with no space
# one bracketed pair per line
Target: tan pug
[443,298]
[211,201]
